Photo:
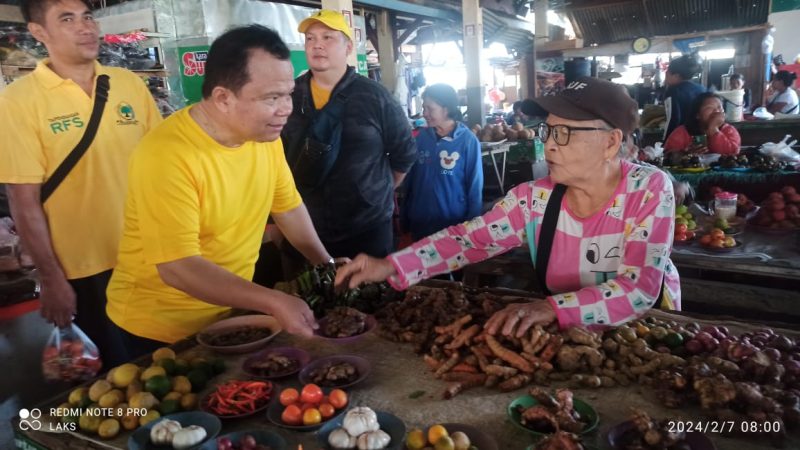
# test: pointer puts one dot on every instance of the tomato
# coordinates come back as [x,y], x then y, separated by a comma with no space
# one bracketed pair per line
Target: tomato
[306,406]
[312,417]
[338,398]
[680,237]
[311,393]
[292,415]
[681,228]
[706,239]
[289,396]
[327,410]
[718,242]
[690,235]
[716,233]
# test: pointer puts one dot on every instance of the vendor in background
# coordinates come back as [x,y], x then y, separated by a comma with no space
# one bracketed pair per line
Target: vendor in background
[516,115]
[72,237]
[445,185]
[201,188]
[737,82]
[782,97]
[681,90]
[707,125]
[608,260]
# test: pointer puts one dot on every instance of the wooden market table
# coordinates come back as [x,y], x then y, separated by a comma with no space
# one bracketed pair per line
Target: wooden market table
[397,373]
[752,132]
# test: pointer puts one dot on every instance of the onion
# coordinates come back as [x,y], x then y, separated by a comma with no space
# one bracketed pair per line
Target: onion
[703,336]
[723,330]
[694,346]
[711,344]
[662,349]
[773,354]
[792,367]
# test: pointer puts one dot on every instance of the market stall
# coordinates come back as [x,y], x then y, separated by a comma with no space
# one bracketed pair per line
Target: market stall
[404,384]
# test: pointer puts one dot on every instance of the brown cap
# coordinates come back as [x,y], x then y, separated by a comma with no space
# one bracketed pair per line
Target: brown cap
[589,98]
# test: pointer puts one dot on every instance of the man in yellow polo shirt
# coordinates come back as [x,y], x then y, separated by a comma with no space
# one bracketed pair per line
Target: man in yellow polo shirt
[73,237]
[201,187]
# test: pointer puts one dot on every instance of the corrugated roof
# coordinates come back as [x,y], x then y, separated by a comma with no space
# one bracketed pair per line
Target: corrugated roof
[610,22]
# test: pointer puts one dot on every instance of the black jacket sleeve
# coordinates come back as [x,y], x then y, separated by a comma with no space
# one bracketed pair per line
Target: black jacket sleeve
[397,139]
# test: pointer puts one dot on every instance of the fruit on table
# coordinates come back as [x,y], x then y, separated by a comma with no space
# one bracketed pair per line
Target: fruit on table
[111,398]
[89,423]
[163,353]
[79,397]
[311,416]
[781,210]
[310,406]
[98,389]
[108,429]
[292,415]
[143,400]
[289,396]
[311,393]
[445,443]
[152,371]
[460,441]
[151,415]
[158,385]
[415,439]
[122,376]
[181,384]
[338,398]
[435,433]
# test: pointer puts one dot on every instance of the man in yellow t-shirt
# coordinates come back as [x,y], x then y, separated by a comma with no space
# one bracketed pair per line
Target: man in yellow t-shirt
[73,237]
[201,187]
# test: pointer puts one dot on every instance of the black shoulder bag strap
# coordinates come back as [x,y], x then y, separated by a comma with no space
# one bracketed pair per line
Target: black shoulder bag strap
[63,169]
[546,234]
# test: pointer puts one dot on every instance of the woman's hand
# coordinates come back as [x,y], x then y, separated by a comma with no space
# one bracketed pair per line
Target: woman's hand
[522,316]
[364,269]
[715,122]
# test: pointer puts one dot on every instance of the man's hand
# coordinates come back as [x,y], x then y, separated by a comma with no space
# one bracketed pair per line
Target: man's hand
[521,316]
[364,269]
[59,303]
[293,314]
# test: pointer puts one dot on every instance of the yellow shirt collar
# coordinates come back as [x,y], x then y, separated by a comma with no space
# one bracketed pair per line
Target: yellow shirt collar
[50,80]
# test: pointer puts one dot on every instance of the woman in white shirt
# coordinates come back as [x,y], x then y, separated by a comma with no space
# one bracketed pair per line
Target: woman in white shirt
[784,98]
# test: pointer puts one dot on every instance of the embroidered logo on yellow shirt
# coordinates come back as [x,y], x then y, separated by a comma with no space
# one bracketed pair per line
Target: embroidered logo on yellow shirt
[60,124]
[127,116]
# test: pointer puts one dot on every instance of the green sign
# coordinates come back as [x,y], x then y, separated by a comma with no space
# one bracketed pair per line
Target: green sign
[193,69]
[785,5]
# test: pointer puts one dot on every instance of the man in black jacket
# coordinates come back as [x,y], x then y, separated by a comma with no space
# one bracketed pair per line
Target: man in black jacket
[347,172]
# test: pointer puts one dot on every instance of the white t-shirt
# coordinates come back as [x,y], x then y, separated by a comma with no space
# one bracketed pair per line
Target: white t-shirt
[789,96]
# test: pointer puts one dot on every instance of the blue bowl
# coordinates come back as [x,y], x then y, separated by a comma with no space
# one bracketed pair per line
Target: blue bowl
[390,424]
[140,439]
[263,437]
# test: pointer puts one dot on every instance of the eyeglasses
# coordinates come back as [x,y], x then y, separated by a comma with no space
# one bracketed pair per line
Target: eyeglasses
[561,133]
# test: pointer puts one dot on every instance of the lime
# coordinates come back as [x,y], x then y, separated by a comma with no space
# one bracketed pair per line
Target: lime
[198,379]
[158,385]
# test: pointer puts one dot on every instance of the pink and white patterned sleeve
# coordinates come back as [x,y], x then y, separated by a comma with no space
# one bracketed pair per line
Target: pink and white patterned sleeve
[499,230]
[649,225]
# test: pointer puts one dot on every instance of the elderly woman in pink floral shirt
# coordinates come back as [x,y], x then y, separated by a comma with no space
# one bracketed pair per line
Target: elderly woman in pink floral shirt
[602,246]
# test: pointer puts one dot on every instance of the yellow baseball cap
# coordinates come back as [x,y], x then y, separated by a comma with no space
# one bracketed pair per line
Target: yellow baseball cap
[331,19]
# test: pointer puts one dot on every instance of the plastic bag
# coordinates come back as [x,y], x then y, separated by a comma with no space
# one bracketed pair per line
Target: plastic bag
[782,151]
[70,356]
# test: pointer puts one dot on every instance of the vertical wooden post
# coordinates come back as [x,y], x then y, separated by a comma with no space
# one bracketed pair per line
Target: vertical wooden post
[387,50]
[472,17]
